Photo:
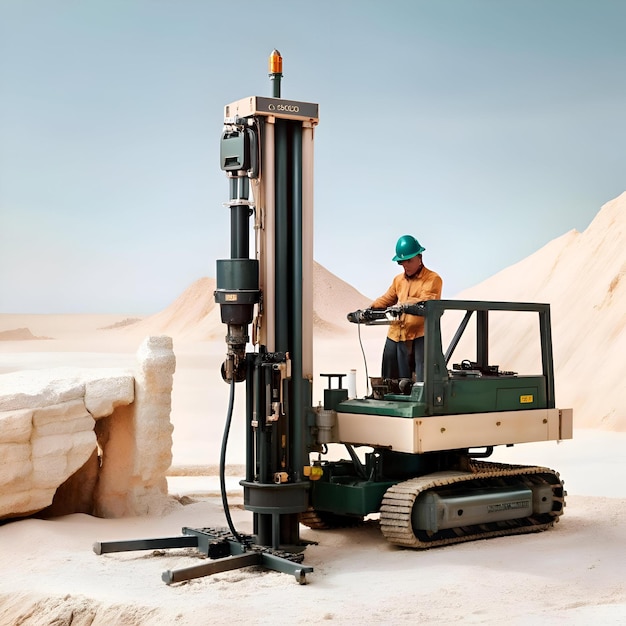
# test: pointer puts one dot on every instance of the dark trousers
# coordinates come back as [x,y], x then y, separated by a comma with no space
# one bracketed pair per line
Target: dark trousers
[402,358]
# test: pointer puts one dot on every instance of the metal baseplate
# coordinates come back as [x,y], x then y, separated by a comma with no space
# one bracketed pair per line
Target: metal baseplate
[226,553]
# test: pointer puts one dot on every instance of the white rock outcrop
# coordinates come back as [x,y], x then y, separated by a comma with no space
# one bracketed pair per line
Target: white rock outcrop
[91,441]
[137,440]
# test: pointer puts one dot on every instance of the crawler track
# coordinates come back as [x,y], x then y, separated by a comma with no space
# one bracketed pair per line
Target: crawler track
[397,504]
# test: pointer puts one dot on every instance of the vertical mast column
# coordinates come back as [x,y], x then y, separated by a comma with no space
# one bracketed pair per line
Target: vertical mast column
[281,369]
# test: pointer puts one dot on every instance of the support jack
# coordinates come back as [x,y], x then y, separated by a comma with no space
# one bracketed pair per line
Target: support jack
[220,546]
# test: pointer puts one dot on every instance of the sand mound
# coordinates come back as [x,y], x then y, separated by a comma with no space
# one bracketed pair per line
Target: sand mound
[333,299]
[195,316]
[583,277]
[18,334]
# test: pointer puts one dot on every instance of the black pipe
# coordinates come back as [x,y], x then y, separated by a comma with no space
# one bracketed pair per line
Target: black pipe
[239,218]
[282,267]
[229,417]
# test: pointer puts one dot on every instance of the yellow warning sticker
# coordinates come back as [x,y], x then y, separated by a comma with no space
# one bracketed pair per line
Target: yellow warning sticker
[526,399]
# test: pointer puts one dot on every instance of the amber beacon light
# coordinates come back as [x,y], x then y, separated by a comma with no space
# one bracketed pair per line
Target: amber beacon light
[276,72]
[276,63]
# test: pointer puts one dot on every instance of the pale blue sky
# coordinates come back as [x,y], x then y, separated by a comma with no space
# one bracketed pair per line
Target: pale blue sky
[484,127]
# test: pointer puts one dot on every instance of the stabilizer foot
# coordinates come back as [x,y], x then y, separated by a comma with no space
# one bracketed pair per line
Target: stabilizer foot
[224,552]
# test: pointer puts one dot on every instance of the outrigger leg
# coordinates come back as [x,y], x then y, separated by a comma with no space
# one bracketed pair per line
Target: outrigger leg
[220,546]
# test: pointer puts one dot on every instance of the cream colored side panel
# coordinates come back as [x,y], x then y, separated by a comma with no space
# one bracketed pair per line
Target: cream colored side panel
[450,432]
[376,430]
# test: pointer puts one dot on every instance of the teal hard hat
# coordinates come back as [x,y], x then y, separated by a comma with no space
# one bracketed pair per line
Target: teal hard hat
[406,248]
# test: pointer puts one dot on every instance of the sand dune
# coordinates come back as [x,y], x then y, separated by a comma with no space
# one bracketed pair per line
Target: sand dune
[583,277]
[19,334]
[194,315]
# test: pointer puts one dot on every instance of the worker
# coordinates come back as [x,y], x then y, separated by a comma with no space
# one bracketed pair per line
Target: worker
[403,354]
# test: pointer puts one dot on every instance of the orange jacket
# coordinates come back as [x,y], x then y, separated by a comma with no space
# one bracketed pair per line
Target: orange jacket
[425,286]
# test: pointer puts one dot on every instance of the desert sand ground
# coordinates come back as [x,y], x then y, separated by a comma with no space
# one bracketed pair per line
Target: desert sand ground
[572,574]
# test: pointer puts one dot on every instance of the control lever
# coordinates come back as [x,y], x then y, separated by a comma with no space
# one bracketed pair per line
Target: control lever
[371,317]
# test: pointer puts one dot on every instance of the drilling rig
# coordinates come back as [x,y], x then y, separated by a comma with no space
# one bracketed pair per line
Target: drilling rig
[415,449]
[266,152]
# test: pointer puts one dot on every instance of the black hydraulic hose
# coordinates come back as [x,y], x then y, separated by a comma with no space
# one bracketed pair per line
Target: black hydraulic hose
[367,380]
[229,417]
